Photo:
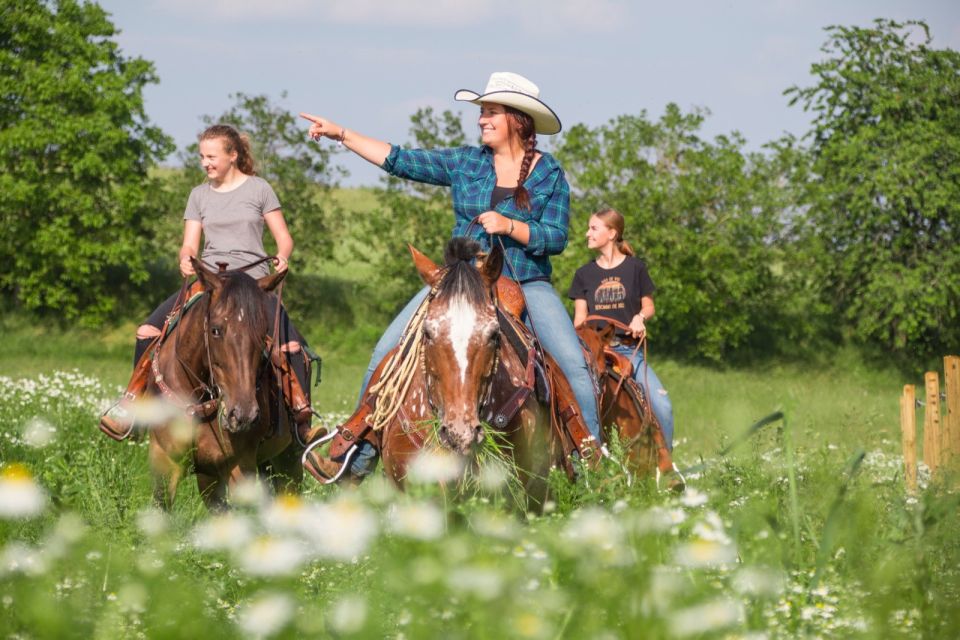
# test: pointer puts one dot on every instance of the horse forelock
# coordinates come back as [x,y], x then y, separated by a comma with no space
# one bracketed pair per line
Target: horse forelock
[462,280]
[241,298]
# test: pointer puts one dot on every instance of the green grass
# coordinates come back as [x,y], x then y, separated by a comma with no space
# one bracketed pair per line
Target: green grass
[786,536]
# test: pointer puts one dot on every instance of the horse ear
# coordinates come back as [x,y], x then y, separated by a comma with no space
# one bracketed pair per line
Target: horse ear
[492,265]
[210,280]
[427,268]
[270,282]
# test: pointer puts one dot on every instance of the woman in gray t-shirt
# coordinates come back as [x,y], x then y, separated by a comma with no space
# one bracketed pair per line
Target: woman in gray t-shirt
[228,211]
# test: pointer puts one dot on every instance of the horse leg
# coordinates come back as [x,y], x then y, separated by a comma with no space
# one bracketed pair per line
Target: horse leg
[213,491]
[167,472]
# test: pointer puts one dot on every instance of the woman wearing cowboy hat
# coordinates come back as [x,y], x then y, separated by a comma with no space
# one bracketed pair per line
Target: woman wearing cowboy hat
[512,190]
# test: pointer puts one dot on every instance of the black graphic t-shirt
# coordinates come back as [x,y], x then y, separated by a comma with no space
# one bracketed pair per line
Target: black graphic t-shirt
[614,293]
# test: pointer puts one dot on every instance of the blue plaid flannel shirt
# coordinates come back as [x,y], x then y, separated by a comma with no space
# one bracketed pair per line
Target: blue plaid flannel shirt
[469,173]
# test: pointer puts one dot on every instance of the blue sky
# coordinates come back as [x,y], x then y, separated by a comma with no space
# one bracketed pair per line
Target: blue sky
[369,64]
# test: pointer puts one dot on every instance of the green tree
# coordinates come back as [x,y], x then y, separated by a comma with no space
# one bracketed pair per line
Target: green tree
[75,149]
[884,191]
[707,217]
[411,213]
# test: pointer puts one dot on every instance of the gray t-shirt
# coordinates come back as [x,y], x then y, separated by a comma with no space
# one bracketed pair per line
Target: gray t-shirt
[233,223]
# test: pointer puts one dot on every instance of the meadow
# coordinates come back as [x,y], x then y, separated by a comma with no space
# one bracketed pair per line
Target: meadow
[801,529]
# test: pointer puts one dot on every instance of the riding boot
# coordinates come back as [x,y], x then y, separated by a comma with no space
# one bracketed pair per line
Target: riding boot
[292,369]
[121,427]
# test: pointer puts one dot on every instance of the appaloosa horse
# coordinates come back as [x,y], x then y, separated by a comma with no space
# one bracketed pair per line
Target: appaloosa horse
[456,379]
[213,368]
[624,407]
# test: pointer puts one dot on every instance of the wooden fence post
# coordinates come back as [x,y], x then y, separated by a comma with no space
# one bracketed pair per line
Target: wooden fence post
[932,438]
[950,449]
[908,430]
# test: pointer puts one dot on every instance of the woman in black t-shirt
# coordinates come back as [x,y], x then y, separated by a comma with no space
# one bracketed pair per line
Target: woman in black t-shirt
[617,285]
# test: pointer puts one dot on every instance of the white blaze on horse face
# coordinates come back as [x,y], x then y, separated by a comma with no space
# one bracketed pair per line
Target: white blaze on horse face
[461,318]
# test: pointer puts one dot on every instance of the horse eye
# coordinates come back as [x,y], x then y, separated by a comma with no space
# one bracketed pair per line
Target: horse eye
[217,332]
[428,332]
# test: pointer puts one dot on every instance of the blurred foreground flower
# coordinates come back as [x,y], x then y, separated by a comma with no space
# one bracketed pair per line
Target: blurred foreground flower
[17,557]
[265,615]
[20,496]
[152,522]
[271,556]
[705,617]
[418,520]
[38,433]
[223,532]
[435,465]
[705,553]
[481,582]
[348,614]
[341,529]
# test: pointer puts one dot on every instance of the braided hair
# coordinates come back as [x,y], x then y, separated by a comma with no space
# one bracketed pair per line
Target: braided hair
[233,140]
[524,127]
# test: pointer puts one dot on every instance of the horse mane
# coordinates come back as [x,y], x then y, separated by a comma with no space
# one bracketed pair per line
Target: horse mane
[462,279]
[241,293]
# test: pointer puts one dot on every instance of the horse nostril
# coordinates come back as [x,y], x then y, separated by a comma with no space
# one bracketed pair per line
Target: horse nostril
[478,434]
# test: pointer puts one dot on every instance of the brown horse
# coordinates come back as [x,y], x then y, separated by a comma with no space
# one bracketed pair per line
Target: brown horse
[467,374]
[212,368]
[625,409]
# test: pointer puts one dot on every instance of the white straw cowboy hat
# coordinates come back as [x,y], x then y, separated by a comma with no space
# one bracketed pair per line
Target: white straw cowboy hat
[513,90]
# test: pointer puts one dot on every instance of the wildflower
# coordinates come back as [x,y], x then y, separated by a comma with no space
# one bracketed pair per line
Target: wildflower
[483,583]
[705,617]
[348,614]
[223,532]
[20,496]
[133,597]
[529,624]
[421,521]
[493,475]
[17,557]
[342,528]
[248,492]
[38,433]
[271,556]
[286,513]
[658,520]
[494,525]
[693,498]
[265,615]
[435,465]
[704,553]
[152,522]
[759,581]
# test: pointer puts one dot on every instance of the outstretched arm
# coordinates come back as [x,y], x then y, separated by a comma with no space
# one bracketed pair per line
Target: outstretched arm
[370,149]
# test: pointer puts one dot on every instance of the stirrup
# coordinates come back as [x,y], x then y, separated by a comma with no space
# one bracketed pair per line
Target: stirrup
[111,427]
[678,483]
[308,462]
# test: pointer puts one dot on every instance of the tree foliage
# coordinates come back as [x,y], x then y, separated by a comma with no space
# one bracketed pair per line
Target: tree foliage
[75,149]
[707,217]
[884,191]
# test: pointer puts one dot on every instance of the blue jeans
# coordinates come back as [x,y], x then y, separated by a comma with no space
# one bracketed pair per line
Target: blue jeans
[552,323]
[658,398]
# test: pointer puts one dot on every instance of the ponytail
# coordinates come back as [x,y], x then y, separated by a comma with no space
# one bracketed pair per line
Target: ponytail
[614,219]
[233,140]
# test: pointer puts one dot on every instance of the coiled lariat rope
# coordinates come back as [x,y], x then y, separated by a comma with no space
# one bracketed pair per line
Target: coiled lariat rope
[399,371]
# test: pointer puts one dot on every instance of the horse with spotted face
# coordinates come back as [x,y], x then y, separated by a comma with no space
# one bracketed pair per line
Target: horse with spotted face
[466,375]
[213,371]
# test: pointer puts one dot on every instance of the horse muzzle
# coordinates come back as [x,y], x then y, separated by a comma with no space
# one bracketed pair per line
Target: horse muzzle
[461,437]
[239,419]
